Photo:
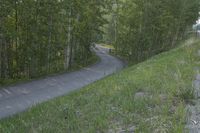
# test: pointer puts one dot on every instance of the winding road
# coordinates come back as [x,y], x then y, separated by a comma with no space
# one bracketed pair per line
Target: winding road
[18,98]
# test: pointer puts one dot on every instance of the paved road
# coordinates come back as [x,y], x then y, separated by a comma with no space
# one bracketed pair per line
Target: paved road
[15,99]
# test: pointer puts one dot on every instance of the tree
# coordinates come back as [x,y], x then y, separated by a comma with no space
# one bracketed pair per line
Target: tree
[46,36]
[145,28]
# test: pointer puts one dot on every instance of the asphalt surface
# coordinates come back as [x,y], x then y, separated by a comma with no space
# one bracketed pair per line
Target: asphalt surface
[18,98]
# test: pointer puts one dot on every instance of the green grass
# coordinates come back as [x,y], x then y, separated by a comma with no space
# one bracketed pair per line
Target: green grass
[150,96]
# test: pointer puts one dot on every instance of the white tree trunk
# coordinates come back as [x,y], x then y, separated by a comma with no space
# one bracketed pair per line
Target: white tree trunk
[1,41]
[49,44]
[68,44]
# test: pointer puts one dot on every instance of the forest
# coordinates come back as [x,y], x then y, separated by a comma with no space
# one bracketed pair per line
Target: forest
[39,37]
[140,29]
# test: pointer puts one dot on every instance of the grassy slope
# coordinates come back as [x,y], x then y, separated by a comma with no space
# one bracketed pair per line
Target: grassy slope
[113,104]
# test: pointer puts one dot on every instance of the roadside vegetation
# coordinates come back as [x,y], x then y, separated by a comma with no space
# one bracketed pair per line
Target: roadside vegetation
[38,38]
[139,29]
[56,36]
[148,97]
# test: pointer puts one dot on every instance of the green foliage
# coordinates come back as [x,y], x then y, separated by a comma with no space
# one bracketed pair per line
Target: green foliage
[139,99]
[38,37]
[142,28]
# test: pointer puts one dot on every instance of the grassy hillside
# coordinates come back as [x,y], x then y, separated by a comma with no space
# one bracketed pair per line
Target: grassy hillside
[148,97]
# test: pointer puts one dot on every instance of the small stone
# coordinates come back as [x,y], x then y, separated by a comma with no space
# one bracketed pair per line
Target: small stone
[163,97]
[140,95]
[182,62]
[196,69]
[129,130]
[132,129]
[198,77]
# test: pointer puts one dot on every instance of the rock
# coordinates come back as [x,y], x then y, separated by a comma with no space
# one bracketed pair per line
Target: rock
[196,85]
[121,130]
[132,129]
[163,97]
[198,52]
[129,130]
[198,77]
[182,62]
[196,69]
[140,95]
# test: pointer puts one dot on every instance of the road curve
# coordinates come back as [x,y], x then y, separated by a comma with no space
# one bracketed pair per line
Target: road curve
[15,99]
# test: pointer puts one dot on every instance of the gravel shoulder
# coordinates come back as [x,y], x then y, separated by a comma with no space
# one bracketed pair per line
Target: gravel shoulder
[193,111]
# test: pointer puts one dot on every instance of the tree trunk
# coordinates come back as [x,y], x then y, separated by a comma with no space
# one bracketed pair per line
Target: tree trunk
[16,37]
[1,43]
[49,45]
[68,44]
